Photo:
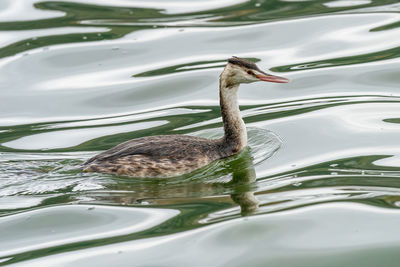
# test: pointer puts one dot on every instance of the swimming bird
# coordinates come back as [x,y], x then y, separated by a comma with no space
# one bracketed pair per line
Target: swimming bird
[173,155]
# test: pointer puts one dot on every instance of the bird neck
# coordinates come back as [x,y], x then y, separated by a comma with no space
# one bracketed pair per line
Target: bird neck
[235,137]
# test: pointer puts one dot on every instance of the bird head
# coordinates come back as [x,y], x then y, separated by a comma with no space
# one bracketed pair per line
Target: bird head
[240,70]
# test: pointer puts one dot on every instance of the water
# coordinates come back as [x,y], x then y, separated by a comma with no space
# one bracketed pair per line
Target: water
[318,186]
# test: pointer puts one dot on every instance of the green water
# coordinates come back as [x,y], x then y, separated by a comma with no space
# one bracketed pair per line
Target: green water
[319,184]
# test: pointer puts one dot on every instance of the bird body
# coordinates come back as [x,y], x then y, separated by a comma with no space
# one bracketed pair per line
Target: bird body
[174,155]
[157,156]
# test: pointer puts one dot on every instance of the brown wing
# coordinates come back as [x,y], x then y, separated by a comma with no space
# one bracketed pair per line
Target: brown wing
[172,146]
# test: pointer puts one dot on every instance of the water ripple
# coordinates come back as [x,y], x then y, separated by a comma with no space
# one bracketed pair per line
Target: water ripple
[78,77]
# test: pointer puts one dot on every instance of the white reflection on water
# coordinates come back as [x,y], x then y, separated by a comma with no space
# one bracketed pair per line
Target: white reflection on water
[168,7]
[370,117]
[126,118]
[18,202]
[54,226]
[333,233]
[20,10]
[341,131]
[76,66]
[7,38]
[69,138]
[346,3]
[392,161]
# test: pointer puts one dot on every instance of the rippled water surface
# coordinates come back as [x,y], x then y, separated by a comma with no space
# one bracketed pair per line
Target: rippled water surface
[319,184]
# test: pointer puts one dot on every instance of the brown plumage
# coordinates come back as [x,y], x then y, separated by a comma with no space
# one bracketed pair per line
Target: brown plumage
[157,156]
[173,155]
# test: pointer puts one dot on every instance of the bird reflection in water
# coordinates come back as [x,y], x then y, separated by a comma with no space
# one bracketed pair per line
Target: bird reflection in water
[234,176]
[243,180]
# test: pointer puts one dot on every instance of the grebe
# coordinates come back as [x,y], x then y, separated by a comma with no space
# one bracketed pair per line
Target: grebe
[173,155]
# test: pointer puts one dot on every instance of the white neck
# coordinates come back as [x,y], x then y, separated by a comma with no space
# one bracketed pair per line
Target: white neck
[235,130]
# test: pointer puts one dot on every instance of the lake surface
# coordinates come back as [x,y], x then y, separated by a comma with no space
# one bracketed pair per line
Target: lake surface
[319,184]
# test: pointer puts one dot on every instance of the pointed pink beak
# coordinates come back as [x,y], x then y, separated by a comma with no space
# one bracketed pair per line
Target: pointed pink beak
[271,78]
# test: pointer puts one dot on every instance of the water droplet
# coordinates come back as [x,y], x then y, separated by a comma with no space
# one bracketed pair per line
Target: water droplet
[297,184]
[362,172]
[257,4]
[99,34]
[396,203]
[145,203]
[334,173]
[334,165]
[114,48]
[131,12]
[382,174]
[28,44]
[181,30]
[154,26]
[293,165]
[34,38]
[84,37]
[294,175]
[91,208]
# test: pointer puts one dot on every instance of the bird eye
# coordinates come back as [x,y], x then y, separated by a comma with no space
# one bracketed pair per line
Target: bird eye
[250,72]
